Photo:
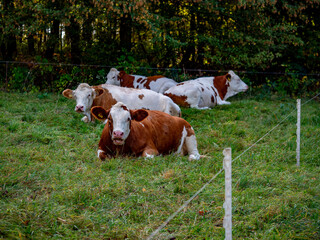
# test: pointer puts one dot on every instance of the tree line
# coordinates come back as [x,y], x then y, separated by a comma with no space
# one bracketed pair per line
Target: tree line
[242,35]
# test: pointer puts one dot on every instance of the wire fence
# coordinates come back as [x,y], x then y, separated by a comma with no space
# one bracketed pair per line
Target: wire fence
[45,76]
[186,203]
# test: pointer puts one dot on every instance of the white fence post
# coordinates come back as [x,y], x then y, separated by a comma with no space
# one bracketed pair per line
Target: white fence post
[298,130]
[227,221]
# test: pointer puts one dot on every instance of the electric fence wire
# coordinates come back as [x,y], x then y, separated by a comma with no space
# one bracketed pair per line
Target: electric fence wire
[220,171]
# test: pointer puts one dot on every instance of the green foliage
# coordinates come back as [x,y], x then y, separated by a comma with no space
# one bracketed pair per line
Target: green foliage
[18,78]
[254,36]
[53,186]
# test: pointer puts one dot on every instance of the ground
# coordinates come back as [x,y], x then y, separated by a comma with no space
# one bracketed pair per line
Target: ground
[52,185]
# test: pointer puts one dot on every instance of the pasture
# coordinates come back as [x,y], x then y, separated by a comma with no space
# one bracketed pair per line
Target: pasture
[53,186]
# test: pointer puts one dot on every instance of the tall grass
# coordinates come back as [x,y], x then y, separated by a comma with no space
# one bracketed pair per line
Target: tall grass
[52,186]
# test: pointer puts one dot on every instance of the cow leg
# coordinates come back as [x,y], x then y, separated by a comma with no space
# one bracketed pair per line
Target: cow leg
[101,154]
[222,102]
[194,97]
[191,147]
[86,118]
[150,153]
[201,108]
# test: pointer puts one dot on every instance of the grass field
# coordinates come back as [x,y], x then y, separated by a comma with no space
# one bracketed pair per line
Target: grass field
[52,185]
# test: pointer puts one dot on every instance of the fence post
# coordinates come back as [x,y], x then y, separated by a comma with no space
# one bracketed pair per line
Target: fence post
[298,130]
[227,221]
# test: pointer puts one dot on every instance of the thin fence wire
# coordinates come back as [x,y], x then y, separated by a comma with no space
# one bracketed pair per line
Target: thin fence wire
[161,68]
[220,171]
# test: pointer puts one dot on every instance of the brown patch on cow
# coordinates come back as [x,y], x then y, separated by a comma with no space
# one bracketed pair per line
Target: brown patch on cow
[124,108]
[104,100]
[126,80]
[151,79]
[180,100]
[139,80]
[144,82]
[202,89]
[220,84]
[180,84]
[190,131]
[141,96]
[212,99]
[215,93]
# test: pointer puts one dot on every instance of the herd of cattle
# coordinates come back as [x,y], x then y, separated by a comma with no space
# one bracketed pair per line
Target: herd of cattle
[141,114]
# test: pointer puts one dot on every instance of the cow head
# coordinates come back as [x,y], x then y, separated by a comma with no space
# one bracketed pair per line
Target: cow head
[112,77]
[235,85]
[84,96]
[118,120]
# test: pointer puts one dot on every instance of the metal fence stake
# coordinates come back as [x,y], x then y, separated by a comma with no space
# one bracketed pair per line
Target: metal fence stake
[298,130]
[227,221]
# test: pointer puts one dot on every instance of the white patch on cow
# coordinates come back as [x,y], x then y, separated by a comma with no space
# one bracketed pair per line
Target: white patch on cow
[84,95]
[236,85]
[121,120]
[149,156]
[112,77]
[191,144]
[162,84]
[141,124]
[100,151]
[183,137]
[86,119]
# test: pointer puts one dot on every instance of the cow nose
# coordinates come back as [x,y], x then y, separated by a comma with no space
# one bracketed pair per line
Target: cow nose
[79,108]
[117,134]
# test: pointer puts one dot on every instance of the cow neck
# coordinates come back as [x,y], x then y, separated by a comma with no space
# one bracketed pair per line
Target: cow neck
[126,80]
[221,85]
[106,99]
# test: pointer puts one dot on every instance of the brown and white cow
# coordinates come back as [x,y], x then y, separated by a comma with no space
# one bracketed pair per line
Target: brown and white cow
[206,92]
[157,83]
[106,95]
[143,133]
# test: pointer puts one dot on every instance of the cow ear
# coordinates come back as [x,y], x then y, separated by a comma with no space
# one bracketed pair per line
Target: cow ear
[228,76]
[99,91]
[138,115]
[99,113]
[68,93]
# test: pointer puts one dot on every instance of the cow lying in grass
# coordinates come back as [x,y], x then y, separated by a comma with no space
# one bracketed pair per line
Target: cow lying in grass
[106,95]
[143,133]
[157,83]
[206,92]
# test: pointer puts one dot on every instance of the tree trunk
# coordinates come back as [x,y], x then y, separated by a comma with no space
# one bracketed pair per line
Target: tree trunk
[53,41]
[9,43]
[31,49]
[126,33]
[73,33]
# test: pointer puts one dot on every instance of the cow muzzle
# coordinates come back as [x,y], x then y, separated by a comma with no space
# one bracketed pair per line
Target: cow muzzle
[79,108]
[117,138]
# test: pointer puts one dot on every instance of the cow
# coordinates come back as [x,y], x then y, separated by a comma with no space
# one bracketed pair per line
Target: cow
[143,133]
[106,95]
[206,92]
[156,83]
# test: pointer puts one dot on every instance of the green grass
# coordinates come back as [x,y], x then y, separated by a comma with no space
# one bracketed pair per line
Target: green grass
[52,185]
